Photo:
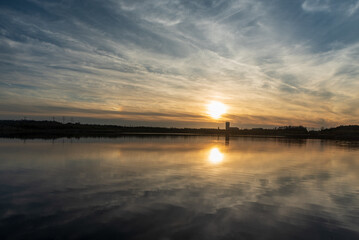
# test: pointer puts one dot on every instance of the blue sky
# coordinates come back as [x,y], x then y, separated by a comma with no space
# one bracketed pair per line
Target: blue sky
[272,62]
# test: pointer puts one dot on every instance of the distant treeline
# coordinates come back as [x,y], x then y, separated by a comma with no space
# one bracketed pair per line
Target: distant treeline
[53,129]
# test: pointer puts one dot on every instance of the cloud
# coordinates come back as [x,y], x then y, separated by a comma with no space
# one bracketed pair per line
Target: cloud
[345,8]
[353,8]
[175,56]
[316,6]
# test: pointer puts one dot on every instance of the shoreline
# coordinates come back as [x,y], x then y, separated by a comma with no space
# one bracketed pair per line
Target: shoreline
[43,135]
[29,129]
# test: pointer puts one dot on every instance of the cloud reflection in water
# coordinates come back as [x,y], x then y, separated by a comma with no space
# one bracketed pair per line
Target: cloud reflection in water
[178,188]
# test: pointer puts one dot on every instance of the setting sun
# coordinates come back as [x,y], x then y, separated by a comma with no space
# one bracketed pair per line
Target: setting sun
[216,109]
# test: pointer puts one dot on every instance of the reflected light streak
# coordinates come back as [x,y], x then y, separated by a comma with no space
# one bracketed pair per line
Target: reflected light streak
[215,156]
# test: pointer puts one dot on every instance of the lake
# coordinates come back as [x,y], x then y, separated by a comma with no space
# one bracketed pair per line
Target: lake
[179,188]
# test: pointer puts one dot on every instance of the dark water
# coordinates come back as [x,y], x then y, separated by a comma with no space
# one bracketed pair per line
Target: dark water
[179,188]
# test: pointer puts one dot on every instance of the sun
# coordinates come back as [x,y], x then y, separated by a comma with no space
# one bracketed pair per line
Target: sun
[216,109]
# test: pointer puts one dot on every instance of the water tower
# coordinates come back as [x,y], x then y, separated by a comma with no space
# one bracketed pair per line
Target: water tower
[228,125]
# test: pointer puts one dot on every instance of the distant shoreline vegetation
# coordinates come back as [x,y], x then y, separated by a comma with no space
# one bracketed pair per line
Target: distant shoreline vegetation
[28,129]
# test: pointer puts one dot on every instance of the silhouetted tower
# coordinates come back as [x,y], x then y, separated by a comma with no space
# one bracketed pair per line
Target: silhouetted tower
[228,124]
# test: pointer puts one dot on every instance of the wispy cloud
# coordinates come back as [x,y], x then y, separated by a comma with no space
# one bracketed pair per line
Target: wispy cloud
[316,5]
[273,59]
[353,8]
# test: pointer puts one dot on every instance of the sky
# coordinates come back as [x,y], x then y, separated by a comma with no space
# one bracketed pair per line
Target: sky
[159,63]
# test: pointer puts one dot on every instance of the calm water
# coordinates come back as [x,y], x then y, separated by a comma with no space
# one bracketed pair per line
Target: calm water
[179,188]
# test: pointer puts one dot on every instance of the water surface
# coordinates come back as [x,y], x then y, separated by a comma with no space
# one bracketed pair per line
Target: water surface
[179,188]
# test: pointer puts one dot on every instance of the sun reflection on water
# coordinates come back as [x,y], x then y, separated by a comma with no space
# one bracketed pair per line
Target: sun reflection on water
[215,156]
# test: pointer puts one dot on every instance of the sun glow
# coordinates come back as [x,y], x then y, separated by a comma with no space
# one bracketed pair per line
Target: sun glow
[216,109]
[215,156]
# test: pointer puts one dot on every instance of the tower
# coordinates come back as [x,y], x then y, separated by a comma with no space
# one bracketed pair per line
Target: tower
[228,126]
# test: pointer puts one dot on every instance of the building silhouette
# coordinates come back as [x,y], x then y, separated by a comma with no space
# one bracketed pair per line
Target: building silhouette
[229,128]
[228,124]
